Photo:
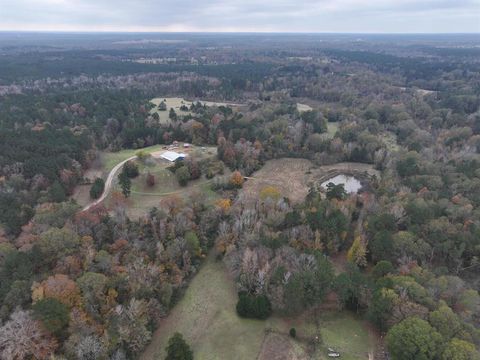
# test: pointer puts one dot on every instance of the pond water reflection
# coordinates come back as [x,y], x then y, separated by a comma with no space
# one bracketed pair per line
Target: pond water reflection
[351,184]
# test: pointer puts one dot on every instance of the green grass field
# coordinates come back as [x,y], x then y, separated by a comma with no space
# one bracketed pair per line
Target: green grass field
[110,159]
[206,317]
[143,197]
[332,128]
[176,103]
[347,334]
[165,180]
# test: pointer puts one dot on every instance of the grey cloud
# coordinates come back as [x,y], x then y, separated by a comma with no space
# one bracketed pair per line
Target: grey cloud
[248,15]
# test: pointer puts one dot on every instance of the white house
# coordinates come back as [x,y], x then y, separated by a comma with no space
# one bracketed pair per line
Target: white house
[173,156]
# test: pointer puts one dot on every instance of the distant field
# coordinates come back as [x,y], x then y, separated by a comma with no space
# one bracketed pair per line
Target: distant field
[303,107]
[332,128]
[176,103]
[206,317]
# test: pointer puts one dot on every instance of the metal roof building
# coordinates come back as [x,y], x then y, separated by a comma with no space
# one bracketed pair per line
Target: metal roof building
[173,156]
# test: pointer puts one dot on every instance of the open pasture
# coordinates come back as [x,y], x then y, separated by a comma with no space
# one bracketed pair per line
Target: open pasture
[206,317]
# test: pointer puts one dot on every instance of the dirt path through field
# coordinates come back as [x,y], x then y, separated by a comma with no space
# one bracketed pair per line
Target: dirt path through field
[108,183]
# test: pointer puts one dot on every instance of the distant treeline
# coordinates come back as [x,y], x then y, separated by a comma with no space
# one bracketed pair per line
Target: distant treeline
[410,67]
[34,66]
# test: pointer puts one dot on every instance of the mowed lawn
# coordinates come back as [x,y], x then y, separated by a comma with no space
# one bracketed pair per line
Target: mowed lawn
[347,334]
[110,159]
[144,197]
[207,319]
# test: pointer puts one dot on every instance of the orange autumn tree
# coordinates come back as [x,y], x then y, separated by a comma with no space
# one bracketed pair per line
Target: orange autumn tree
[224,205]
[59,287]
[236,179]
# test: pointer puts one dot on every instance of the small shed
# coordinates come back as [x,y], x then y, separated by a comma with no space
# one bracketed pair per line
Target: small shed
[173,156]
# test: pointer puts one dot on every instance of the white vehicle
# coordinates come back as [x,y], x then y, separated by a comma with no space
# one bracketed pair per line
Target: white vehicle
[332,353]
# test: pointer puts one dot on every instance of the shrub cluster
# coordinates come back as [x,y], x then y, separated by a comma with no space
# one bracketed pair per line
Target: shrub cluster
[253,306]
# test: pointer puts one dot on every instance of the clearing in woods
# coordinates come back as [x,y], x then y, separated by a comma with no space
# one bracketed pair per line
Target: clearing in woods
[176,103]
[142,197]
[206,317]
[294,176]
[106,162]
[303,107]
[332,128]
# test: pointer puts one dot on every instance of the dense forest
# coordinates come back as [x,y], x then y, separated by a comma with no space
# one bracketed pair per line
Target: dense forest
[95,284]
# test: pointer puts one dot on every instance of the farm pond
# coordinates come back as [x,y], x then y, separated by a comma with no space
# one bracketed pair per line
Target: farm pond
[351,183]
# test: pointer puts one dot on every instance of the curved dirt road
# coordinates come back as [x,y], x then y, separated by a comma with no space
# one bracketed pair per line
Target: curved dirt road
[108,183]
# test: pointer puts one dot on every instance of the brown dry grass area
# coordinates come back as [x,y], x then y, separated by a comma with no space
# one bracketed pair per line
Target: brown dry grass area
[288,175]
[293,177]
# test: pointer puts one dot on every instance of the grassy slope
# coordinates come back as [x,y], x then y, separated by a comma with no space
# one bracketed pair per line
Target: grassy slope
[207,319]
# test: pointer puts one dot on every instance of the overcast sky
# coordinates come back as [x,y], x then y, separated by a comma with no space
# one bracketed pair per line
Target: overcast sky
[393,16]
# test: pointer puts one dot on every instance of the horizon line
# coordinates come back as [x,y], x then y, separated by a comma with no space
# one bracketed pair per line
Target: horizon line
[39,31]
